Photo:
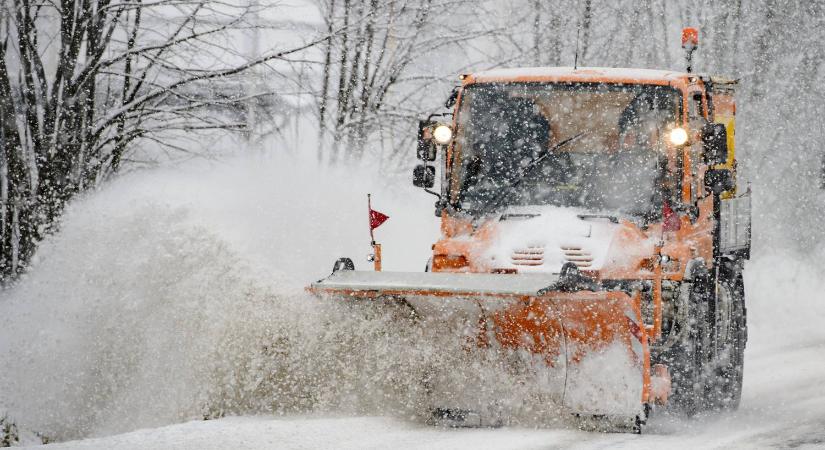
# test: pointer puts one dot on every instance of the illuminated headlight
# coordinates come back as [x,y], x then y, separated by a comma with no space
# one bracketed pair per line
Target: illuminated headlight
[678,136]
[442,134]
[670,264]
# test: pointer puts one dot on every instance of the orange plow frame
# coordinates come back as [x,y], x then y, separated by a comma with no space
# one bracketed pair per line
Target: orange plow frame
[556,326]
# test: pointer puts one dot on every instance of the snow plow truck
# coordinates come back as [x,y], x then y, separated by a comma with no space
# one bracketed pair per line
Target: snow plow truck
[592,218]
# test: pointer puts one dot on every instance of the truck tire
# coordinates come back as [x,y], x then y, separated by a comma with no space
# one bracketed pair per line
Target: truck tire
[707,363]
[724,380]
[687,358]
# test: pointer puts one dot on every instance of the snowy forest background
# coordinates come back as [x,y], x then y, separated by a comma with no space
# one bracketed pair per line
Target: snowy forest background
[93,88]
[174,172]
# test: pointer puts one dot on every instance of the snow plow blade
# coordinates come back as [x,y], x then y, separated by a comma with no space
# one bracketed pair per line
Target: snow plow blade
[591,345]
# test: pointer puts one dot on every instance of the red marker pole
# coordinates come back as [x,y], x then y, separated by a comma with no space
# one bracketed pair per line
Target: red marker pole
[376,248]
[376,219]
[369,216]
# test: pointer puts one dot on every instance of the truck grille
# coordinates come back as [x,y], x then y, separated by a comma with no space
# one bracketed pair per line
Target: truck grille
[528,256]
[577,256]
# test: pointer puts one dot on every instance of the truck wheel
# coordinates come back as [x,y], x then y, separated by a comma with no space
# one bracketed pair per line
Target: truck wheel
[686,358]
[724,385]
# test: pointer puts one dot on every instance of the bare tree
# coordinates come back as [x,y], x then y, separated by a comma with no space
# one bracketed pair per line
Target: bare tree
[375,70]
[81,82]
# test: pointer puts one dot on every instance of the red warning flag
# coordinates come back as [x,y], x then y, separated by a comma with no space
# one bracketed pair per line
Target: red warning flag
[377,218]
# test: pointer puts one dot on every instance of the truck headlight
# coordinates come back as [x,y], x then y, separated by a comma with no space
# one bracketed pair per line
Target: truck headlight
[443,134]
[678,136]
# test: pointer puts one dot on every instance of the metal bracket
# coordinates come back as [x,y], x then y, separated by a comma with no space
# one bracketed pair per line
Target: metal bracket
[571,280]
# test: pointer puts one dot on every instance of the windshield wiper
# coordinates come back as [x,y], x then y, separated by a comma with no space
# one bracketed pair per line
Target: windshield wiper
[508,189]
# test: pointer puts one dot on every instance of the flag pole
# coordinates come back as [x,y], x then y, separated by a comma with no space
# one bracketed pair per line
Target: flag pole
[376,248]
[369,218]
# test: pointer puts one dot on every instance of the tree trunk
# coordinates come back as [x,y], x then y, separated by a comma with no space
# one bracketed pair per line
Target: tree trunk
[327,69]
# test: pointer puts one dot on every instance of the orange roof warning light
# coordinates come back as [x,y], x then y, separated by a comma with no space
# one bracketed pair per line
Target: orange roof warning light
[690,38]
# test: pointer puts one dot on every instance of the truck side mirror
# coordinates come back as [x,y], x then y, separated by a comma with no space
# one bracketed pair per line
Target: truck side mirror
[426,150]
[424,176]
[719,180]
[452,98]
[715,143]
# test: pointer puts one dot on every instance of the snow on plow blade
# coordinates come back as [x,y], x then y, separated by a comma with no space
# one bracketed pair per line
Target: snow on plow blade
[591,344]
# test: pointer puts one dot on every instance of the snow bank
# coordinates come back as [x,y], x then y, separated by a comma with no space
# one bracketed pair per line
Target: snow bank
[786,301]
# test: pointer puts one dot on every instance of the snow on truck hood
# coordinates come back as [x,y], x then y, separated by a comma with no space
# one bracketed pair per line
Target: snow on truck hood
[543,238]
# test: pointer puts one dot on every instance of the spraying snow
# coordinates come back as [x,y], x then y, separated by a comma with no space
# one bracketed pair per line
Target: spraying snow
[178,294]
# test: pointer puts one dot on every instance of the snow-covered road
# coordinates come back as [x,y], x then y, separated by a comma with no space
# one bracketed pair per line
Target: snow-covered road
[150,304]
[783,407]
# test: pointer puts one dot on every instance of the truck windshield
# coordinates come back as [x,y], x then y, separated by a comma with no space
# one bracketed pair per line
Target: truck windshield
[617,165]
